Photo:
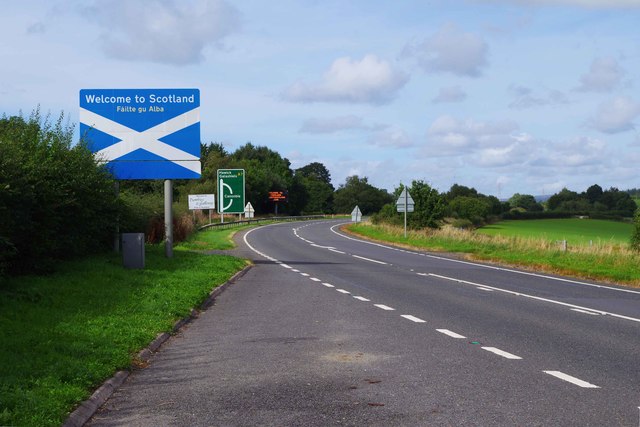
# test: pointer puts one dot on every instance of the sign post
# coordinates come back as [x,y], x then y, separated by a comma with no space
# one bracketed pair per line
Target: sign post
[249,211]
[405,204]
[231,191]
[277,196]
[144,134]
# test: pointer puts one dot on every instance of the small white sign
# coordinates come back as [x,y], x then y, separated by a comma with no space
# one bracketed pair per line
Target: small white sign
[405,203]
[202,201]
[249,211]
[356,215]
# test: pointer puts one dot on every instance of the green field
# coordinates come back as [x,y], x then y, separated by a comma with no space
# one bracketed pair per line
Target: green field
[575,231]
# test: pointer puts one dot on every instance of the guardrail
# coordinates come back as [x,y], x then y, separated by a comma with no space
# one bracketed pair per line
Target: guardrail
[260,220]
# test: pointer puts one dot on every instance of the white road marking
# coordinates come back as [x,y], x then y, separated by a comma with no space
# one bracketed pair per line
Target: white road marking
[384,307]
[572,380]
[450,333]
[485,289]
[585,312]
[295,270]
[502,353]
[337,251]
[315,279]
[413,318]
[328,285]
[342,291]
[285,265]
[593,310]
[526,273]
[361,298]
[305,274]
[370,260]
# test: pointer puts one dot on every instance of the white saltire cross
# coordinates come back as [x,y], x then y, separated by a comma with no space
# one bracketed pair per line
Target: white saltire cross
[149,140]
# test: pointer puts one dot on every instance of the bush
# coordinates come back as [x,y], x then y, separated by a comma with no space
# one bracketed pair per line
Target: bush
[635,235]
[56,202]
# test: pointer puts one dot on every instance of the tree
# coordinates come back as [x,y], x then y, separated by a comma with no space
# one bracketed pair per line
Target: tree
[317,182]
[525,201]
[635,235]
[429,206]
[471,208]
[594,193]
[357,191]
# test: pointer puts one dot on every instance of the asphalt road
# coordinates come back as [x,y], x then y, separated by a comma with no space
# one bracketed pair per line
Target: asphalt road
[331,330]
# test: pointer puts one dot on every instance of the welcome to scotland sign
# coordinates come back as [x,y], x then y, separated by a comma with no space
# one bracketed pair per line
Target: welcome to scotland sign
[143,133]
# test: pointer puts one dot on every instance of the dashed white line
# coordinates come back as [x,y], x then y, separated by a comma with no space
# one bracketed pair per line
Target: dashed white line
[315,279]
[295,270]
[451,333]
[337,251]
[361,298]
[328,285]
[384,307]
[285,265]
[370,260]
[502,353]
[413,318]
[342,291]
[572,380]
[305,274]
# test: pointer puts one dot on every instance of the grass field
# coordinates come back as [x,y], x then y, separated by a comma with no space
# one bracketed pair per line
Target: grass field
[575,231]
[62,335]
[604,262]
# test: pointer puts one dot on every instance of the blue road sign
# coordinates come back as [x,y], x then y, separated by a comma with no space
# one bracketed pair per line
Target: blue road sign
[143,133]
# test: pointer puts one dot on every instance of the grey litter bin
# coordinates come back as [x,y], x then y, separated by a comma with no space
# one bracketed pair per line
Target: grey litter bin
[133,250]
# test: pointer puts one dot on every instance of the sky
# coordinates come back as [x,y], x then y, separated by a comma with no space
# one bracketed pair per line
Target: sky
[506,96]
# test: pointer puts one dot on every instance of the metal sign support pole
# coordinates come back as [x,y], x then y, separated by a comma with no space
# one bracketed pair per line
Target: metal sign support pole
[168,218]
[116,236]
[406,208]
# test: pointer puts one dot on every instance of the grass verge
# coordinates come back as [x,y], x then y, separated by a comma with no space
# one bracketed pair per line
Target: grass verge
[63,335]
[605,263]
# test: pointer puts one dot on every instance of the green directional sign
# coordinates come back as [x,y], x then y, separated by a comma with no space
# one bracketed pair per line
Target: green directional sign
[231,191]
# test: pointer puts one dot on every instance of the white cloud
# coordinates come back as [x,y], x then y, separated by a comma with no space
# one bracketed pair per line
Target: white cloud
[449,94]
[391,138]
[616,115]
[525,98]
[452,136]
[604,75]
[370,80]
[583,154]
[450,50]
[163,31]
[333,124]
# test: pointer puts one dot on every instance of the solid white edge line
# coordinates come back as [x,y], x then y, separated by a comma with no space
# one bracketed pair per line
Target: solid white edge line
[413,318]
[451,333]
[502,353]
[370,260]
[593,310]
[526,273]
[337,251]
[585,312]
[572,380]
[384,307]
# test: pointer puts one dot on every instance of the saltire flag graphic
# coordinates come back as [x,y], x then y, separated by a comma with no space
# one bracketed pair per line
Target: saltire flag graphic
[143,133]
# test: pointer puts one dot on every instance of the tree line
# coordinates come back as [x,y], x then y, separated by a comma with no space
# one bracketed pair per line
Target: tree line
[57,202]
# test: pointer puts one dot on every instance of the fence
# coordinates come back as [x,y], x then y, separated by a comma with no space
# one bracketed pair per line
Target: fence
[260,220]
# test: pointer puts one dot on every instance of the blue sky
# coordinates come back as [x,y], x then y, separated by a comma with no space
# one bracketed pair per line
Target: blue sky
[506,96]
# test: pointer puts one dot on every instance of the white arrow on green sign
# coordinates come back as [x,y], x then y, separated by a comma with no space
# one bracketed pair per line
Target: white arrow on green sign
[231,191]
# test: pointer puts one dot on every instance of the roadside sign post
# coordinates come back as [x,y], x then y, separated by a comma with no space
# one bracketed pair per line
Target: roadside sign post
[249,210]
[405,204]
[202,201]
[277,196]
[231,191]
[144,134]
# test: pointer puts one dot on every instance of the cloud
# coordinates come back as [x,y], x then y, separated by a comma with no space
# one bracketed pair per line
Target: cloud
[390,138]
[616,115]
[604,75]
[582,153]
[333,124]
[163,31]
[524,98]
[450,136]
[449,94]
[370,80]
[450,50]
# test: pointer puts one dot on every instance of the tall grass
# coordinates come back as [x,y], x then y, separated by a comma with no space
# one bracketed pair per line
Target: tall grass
[604,260]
